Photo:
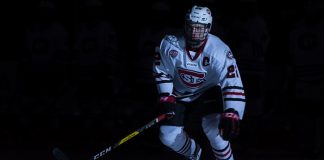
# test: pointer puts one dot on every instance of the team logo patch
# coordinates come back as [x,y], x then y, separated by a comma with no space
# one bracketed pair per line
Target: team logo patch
[205,61]
[229,54]
[191,78]
[173,53]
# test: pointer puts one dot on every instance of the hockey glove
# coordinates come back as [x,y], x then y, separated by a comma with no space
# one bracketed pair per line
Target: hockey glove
[167,104]
[229,124]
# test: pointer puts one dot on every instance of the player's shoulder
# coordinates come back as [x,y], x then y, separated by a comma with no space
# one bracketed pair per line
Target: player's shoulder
[216,42]
[217,46]
[172,40]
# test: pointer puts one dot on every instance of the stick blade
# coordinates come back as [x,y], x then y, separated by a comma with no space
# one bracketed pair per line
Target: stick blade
[59,155]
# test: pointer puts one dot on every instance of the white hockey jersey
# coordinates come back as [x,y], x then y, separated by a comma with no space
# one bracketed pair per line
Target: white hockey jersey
[182,72]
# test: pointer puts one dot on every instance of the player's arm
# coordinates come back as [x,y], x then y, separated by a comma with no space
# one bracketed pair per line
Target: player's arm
[163,70]
[232,86]
[233,98]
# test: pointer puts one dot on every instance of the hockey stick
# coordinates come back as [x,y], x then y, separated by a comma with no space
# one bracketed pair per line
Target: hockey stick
[128,137]
[59,155]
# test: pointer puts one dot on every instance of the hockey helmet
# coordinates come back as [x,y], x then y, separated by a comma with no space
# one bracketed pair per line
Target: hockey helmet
[197,25]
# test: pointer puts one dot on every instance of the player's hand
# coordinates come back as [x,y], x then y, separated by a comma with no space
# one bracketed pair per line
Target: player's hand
[167,104]
[229,126]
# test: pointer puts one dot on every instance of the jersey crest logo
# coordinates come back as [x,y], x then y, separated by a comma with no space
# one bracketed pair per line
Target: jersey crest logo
[205,61]
[192,79]
[173,53]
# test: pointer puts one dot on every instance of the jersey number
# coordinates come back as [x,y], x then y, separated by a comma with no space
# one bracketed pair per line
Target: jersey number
[231,72]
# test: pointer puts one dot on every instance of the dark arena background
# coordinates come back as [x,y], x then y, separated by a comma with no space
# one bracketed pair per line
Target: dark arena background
[77,75]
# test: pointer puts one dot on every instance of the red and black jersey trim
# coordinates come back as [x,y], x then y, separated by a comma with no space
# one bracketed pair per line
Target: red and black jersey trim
[222,150]
[233,87]
[234,93]
[164,81]
[222,153]
[186,146]
[159,75]
[234,99]
[198,51]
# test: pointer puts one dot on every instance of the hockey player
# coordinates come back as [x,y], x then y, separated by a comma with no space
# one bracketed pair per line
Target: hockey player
[188,66]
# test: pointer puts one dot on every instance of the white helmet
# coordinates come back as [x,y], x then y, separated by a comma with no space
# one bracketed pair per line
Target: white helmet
[200,15]
[197,26]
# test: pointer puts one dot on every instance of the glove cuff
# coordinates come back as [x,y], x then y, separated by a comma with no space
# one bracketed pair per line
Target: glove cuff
[231,113]
[168,99]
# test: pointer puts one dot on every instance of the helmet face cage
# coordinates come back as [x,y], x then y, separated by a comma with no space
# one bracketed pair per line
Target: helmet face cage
[197,25]
[196,33]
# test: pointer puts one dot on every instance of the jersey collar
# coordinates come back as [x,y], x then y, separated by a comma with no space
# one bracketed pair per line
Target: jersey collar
[198,51]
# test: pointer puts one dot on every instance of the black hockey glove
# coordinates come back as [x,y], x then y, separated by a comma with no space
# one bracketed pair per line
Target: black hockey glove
[229,124]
